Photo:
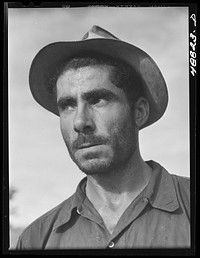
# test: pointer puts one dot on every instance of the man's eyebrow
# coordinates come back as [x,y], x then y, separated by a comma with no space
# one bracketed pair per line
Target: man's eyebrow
[97,93]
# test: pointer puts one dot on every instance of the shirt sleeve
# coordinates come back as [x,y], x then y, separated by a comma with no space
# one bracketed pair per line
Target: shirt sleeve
[26,241]
[19,245]
[32,238]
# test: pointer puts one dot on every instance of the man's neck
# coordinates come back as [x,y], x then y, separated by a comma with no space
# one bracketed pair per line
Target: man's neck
[112,193]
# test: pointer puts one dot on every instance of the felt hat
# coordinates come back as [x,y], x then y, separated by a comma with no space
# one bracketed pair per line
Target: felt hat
[102,42]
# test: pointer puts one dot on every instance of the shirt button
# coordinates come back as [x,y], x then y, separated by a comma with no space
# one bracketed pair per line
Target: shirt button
[111,244]
[145,199]
[78,211]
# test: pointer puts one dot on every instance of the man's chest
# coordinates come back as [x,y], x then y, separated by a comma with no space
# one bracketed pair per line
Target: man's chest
[111,217]
[148,230]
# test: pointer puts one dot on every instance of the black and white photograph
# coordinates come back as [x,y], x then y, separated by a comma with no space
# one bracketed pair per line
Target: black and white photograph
[99,127]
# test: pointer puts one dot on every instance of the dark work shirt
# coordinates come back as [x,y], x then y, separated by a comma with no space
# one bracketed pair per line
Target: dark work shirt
[158,218]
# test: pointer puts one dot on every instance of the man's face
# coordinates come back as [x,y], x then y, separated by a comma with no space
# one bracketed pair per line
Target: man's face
[96,121]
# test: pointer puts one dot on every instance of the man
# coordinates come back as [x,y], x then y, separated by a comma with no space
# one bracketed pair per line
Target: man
[105,90]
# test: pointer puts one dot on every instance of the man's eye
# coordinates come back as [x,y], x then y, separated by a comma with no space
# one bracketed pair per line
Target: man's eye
[68,107]
[99,101]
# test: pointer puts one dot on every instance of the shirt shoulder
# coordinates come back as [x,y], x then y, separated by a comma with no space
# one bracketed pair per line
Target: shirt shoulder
[182,185]
[172,188]
[36,234]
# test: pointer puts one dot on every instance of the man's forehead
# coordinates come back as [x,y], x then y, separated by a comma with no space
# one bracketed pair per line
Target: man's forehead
[85,79]
[89,71]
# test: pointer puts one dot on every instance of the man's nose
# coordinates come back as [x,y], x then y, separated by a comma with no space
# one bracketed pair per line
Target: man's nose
[83,121]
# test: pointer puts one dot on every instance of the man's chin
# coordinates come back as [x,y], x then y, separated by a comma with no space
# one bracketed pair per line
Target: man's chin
[93,166]
[95,160]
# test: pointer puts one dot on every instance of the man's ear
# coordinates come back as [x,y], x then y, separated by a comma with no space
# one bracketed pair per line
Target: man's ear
[141,112]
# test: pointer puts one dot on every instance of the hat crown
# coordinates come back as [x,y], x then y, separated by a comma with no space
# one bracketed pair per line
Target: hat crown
[98,32]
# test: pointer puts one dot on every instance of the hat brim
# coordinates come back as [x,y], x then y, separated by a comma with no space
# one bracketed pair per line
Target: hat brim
[49,57]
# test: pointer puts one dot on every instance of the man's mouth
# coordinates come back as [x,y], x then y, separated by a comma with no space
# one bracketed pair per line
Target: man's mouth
[88,141]
[87,145]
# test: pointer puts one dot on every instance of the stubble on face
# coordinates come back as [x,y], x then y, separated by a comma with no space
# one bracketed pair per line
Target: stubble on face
[115,152]
[115,136]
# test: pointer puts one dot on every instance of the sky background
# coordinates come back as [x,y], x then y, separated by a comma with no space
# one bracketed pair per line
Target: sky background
[39,165]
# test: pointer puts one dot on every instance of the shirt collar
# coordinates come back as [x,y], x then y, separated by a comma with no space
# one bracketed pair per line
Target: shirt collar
[160,192]
[74,202]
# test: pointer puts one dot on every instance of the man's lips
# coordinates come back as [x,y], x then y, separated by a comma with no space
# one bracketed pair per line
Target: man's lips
[88,145]
[87,141]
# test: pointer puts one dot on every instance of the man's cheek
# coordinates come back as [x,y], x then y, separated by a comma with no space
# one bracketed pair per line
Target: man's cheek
[66,134]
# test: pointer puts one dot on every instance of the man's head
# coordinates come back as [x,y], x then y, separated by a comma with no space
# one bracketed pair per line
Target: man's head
[98,40]
[101,109]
